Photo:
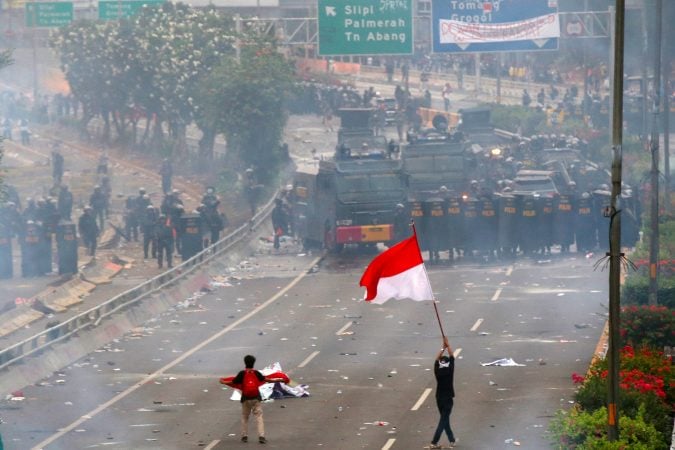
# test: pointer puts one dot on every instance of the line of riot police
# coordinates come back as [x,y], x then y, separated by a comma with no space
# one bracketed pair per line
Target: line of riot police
[35,228]
[169,230]
[488,226]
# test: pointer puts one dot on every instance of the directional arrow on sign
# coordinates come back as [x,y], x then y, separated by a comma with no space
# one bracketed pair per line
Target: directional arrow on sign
[330,11]
[540,42]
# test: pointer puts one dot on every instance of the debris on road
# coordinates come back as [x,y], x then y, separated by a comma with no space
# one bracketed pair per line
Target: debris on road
[503,362]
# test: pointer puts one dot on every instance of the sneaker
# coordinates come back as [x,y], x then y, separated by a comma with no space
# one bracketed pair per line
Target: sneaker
[244,439]
[262,440]
[432,445]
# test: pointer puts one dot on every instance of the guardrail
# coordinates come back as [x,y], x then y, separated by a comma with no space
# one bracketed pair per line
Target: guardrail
[94,316]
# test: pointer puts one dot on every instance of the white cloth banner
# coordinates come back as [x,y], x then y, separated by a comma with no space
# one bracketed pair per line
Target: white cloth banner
[542,27]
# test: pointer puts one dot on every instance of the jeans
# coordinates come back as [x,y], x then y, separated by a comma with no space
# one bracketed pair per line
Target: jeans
[444,423]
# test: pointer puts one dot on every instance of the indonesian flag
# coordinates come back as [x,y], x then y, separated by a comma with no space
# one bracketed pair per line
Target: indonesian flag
[397,273]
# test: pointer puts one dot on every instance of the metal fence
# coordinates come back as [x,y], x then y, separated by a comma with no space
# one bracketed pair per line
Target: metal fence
[93,317]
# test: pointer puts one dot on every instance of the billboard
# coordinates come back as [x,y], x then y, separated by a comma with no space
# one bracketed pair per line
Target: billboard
[470,26]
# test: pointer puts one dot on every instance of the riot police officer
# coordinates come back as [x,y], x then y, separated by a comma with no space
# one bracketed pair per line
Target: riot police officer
[584,225]
[563,221]
[97,202]
[66,247]
[165,241]
[401,223]
[30,249]
[64,203]
[191,235]
[166,171]
[279,221]
[57,166]
[470,211]
[486,230]
[436,228]
[455,226]
[88,230]
[546,211]
[6,235]
[528,227]
[507,224]
[148,228]
[131,218]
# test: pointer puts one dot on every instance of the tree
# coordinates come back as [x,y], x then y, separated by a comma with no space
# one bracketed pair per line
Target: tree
[244,100]
[5,60]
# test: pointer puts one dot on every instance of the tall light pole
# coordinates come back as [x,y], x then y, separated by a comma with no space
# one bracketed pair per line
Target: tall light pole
[615,227]
[654,209]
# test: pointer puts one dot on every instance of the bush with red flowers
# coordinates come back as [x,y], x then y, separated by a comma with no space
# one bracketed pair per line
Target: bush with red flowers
[647,384]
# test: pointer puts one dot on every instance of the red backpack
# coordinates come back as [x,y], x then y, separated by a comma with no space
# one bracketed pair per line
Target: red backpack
[250,385]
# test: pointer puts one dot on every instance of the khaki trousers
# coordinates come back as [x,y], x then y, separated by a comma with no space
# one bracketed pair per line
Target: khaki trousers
[252,406]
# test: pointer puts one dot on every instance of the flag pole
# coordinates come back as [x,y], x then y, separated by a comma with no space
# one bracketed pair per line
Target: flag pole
[433,298]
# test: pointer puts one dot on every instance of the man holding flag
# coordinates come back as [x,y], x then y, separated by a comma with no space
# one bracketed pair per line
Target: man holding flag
[399,273]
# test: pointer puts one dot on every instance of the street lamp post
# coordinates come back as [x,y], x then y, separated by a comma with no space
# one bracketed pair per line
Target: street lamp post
[615,227]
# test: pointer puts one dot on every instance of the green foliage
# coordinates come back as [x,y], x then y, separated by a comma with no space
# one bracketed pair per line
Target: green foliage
[587,430]
[510,118]
[245,101]
[652,326]
[635,291]
[646,382]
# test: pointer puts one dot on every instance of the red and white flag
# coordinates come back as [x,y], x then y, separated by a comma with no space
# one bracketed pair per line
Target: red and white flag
[397,273]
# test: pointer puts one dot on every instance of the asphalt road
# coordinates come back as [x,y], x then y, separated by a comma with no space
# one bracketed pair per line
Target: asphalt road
[368,367]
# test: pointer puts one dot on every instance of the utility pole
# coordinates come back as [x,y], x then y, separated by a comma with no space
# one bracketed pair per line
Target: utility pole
[654,210]
[615,227]
[666,117]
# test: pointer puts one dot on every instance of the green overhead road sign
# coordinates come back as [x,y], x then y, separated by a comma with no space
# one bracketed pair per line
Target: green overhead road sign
[49,14]
[365,27]
[113,9]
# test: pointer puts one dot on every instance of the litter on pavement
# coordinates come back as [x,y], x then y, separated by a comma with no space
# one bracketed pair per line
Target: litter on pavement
[504,362]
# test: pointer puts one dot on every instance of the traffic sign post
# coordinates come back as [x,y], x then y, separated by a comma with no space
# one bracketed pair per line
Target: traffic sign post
[49,14]
[471,26]
[113,9]
[366,27]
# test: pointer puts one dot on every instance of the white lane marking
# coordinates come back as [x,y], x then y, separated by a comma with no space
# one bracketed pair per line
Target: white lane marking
[212,444]
[509,271]
[343,329]
[389,443]
[176,361]
[457,352]
[421,400]
[476,325]
[308,359]
[497,294]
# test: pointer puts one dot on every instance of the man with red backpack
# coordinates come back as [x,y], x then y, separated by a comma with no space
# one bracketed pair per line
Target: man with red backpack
[250,380]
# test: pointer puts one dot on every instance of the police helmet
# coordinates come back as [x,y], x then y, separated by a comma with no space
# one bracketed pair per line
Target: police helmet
[149,207]
[507,189]
[585,195]
[443,189]
[141,190]
[400,206]
[162,216]
[11,204]
[87,208]
[210,190]
[572,184]
[175,192]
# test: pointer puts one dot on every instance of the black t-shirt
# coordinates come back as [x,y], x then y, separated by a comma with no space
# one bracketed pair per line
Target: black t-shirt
[445,390]
[239,379]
